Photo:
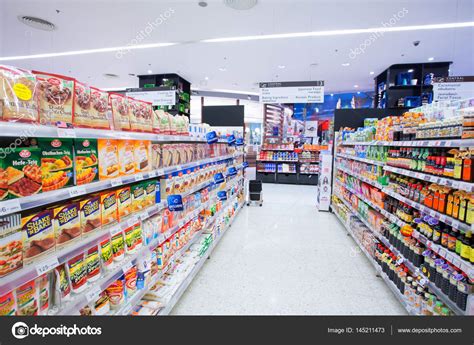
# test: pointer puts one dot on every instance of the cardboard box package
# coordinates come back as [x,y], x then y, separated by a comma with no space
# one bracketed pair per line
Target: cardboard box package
[86,161]
[126,150]
[124,202]
[91,214]
[108,203]
[56,163]
[138,197]
[11,245]
[142,154]
[109,166]
[23,172]
[66,223]
[38,234]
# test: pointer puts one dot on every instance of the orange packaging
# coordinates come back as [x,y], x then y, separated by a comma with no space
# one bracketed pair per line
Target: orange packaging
[449,206]
[124,202]
[142,155]
[126,156]
[108,203]
[455,206]
[436,200]
[108,159]
[120,111]
[442,203]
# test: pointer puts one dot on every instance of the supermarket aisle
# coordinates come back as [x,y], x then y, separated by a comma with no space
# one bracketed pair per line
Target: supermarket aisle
[287,258]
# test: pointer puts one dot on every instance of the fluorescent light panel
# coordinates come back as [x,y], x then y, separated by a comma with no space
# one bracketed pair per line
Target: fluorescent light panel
[248,38]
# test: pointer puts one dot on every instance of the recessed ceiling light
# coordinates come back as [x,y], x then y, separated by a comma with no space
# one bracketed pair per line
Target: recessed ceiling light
[206,78]
[345,64]
[356,86]
[281,66]
[240,4]
[202,3]
[37,23]
[332,94]
[222,69]
[371,72]
[149,71]
[165,79]
[358,92]
[410,70]
[430,58]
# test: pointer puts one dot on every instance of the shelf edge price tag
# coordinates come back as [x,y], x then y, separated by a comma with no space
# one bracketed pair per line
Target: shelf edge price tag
[132,221]
[127,266]
[116,182]
[9,206]
[93,294]
[152,173]
[47,265]
[115,230]
[77,191]
[138,177]
[66,133]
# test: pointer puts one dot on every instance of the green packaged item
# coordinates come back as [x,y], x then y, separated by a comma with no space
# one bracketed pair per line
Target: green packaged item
[56,163]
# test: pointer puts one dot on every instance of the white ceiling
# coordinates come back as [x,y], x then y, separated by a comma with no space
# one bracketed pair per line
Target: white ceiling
[90,24]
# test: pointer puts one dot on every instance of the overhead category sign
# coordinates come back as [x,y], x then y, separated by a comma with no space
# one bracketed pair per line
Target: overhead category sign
[157,96]
[292,92]
[453,88]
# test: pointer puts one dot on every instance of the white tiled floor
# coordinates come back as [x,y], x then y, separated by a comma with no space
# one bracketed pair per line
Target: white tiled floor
[287,258]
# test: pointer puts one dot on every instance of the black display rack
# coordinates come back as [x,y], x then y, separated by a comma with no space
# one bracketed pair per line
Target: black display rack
[174,81]
[394,90]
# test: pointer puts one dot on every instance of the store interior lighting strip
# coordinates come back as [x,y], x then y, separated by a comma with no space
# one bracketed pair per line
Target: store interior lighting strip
[41,199]
[416,143]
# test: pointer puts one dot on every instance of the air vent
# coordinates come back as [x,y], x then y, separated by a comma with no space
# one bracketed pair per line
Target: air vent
[110,75]
[37,23]
[240,5]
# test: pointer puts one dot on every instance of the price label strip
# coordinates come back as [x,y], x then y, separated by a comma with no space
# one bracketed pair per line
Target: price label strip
[66,133]
[77,191]
[127,266]
[9,206]
[93,294]
[116,182]
[138,177]
[47,265]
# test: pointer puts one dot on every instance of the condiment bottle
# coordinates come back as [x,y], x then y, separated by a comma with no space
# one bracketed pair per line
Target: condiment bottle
[466,246]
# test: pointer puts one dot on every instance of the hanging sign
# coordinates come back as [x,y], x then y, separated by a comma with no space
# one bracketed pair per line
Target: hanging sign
[231,171]
[211,137]
[292,92]
[231,140]
[453,88]
[222,195]
[245,164]
[239,142]
[175,202]
[158,96]
[218,178]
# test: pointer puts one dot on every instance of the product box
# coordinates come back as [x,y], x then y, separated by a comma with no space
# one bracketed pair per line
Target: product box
[108,204]
[82,105]
[157,192]
[38,234]
[109,166]
[22,167]
[138,197]
[11,245]
[56,99]
[98,110]
[150,192]
[124,202]
[66,223]
[3,177]
[156,162]
[142,155]
[91,214]
[126,156]
[120,111]
[56,163]
[19,95]
[86,161]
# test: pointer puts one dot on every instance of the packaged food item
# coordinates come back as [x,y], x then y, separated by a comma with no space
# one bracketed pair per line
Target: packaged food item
[116,293]
[120,111]
[131,281]
[42,284]
[56,99]
[86,161]
[108,204]
[135,114]
[147,117]
[133,238]
[142,155]
[38,234]
[150,192]
[86,311]
[23,172]
[102,304]
[156,156]
[109,166]
[126,156]
[18,95]
[98,110]
[106,254]
[118,246]
[27,299]
[173,123]
[140,117]
[157,192]
[56,163]
[82,105]
[138,197]
[11,245]
[91,214]
[66,223]
[8,304]
[124,202]
[3,177]
[140,310]
[77,269]
[93,264]
[63,284]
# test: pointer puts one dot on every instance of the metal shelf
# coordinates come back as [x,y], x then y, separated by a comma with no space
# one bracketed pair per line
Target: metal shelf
[415,143]
[456,184]
[41,199]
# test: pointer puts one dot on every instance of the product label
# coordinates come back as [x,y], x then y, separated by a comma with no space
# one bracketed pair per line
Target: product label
[175,203]
[22,91]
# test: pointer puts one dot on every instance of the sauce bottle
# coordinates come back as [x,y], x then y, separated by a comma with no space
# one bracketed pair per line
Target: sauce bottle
[470,210]
[447,270]
[462,207]
[467,169]
[452,237]
[464,288]
[449,204]
[445,237]
[453,285]
[466,246]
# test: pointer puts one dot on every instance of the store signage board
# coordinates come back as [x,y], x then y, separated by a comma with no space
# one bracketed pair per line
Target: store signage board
[453,88]
[156,97]
[222,195]
[175,203]
[292,92]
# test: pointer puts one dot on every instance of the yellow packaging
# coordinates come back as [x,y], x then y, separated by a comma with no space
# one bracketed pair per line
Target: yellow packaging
[108,202]
[138,197]
[124,202]
[108,159]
